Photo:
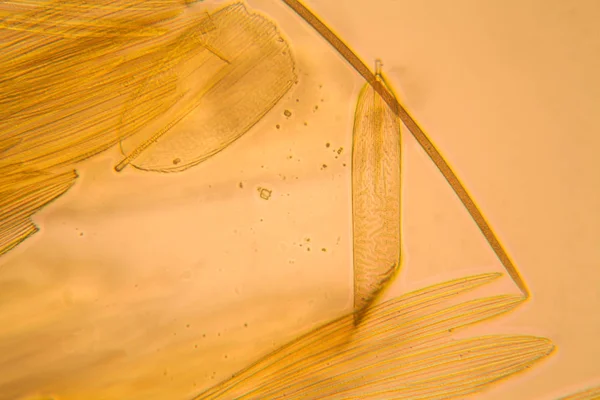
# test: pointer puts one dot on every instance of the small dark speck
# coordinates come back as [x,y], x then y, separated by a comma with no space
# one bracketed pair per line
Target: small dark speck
[176,161]
[327,144]
[219,334]
[287,113]
[81,234]
[344,164]
[324,166]
[308,249]
[277,126]
[241,185]
[245,325]
[305,123]
[323,249]
[187,326]
[316,108]
[297,100]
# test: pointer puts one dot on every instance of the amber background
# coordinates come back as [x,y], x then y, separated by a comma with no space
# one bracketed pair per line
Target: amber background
[141,285]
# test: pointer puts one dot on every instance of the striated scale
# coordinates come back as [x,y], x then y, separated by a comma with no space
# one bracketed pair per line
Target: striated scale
[375,196]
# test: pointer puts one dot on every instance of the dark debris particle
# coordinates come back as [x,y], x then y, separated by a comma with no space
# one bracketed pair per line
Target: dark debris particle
[287,113]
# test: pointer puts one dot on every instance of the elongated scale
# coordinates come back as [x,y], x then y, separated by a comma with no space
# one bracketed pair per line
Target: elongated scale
[403,348]
[375,197]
